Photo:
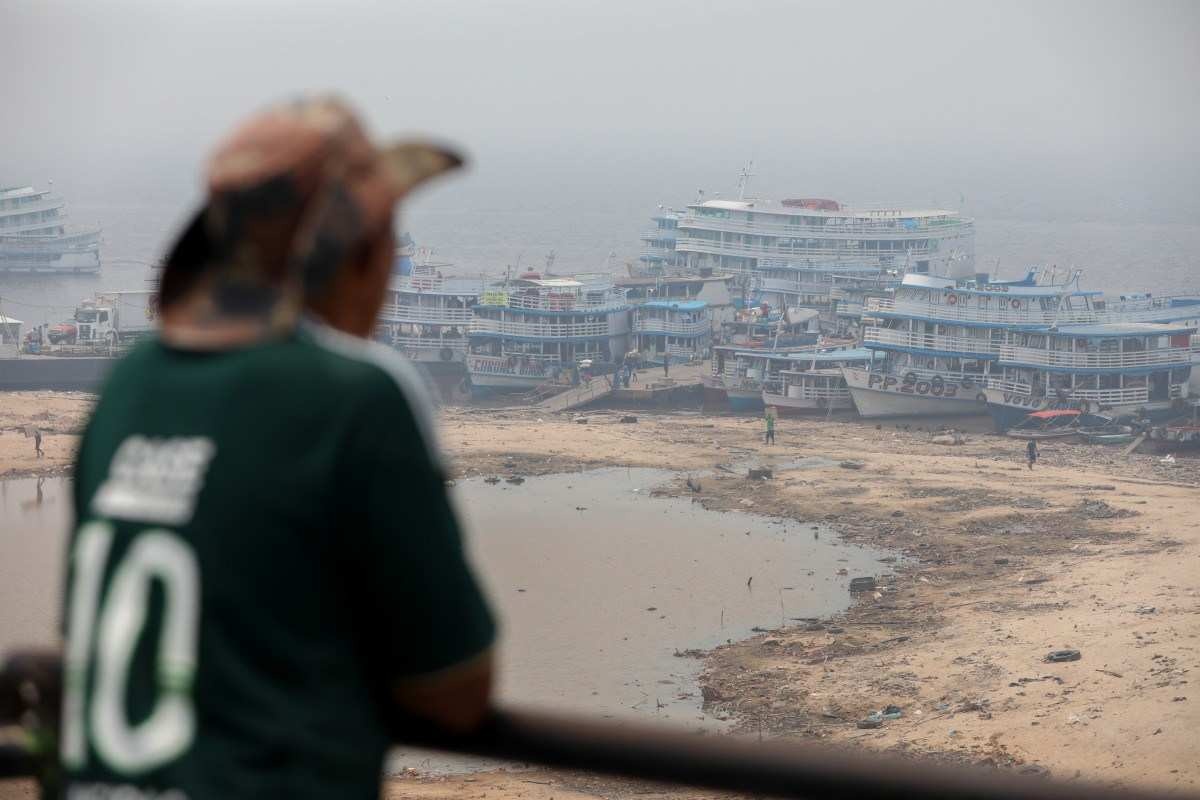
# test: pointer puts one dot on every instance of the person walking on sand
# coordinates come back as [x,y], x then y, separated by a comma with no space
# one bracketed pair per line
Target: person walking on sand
[37,443]
[771,416]
[1031,452]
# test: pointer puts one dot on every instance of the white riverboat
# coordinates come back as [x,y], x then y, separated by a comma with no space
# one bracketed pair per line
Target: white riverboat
[678,330]
[944,340]
[532,330]
[35,237]
[814,383]
[749,235]
[426,315]
[1138,369]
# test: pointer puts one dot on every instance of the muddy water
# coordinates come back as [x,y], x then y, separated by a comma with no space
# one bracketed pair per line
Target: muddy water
[32,530]
[598,584]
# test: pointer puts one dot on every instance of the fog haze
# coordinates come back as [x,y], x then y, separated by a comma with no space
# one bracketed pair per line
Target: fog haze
[580,117]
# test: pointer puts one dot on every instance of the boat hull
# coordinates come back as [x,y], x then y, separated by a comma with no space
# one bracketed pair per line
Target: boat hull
[745,399]
[484,384]
[878,396]
[796,406]
[1008,409]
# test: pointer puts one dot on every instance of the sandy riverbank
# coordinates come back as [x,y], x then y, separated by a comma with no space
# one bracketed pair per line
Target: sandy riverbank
[1089,551]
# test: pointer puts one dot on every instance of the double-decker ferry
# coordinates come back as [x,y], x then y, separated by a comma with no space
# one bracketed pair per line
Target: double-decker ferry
[34,236]
[943,339]
[531,330]
[678,330]
[813,382]
[1139,369]
[426,315]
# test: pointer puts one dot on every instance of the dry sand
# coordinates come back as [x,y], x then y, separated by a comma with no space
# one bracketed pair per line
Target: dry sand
[1090,550]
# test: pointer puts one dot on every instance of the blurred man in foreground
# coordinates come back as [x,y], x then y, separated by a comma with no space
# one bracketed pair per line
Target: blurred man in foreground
[266,574]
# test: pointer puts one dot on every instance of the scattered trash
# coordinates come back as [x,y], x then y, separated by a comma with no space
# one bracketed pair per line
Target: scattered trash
[843,571]
[491,479]
[515,480]
[581,420]
[1145,610]
[1055,656]
[629,419]
[870,723]
[694,485]
[861,585]
[1168,460]
[759,473]
[851,465]
[951,438]
[897,513]
[1000,561]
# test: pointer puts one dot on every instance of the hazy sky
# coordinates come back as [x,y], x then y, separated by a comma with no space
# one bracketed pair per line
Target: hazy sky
[927,100]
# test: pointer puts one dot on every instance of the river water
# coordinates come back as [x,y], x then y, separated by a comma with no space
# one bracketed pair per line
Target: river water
[597,584]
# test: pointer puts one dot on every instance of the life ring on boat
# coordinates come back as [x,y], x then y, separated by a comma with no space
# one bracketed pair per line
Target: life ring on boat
[446,354]
[1015,303]
[951,299]
[981,399]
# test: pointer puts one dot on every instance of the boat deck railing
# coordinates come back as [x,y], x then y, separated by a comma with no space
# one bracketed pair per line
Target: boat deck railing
[522,366]
[852,249]
[543,328]
[672,328]
[966,345]
[401,312]
[1104,397]
[854,228]
[1165,357]
[1007,315]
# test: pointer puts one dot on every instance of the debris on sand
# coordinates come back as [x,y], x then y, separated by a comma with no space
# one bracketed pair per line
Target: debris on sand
[629,419]
[1055,656]
[861,585]
[851,465]
[759,473]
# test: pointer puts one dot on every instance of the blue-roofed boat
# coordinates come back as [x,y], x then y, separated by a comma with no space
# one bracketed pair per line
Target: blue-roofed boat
[813,382]
[679,330]
[1134,369]
[943,339]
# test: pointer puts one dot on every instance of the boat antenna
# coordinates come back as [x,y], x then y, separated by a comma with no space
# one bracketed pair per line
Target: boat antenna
[550,261]
[744,179]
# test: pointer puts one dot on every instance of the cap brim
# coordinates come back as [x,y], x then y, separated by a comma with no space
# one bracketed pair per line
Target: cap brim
[407,165]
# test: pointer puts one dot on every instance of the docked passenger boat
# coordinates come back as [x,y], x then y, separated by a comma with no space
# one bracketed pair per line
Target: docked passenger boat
[813,382]
[678,330]
[532,330]
[35,237]
[426,315]
[1137,369]
[947,341]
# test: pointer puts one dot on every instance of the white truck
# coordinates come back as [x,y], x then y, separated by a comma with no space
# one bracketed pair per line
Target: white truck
[114,318]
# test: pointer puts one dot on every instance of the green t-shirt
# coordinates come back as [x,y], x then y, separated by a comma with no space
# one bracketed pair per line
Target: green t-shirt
[263,547]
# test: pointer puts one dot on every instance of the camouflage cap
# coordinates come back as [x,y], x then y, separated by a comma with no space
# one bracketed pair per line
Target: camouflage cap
[292,192]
